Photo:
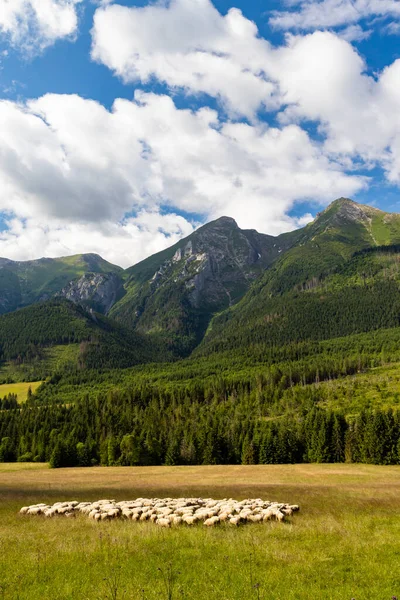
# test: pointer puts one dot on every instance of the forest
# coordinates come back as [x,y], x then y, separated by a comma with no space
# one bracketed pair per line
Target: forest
[249,407]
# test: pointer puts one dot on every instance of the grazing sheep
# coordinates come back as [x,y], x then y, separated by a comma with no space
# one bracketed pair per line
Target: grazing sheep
[168,511]
[35,510]
[163,522]
[254,518]
[211,522]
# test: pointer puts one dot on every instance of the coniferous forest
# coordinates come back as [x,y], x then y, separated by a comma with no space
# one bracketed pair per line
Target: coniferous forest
[301,367]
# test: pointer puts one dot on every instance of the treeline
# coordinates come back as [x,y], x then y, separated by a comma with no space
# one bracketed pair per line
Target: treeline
[10,401]
[143,427]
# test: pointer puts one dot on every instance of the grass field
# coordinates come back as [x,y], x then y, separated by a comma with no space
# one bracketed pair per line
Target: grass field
[344,544]
[20,389]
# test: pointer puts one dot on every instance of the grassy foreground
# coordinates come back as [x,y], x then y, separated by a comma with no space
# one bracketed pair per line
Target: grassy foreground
[344,544]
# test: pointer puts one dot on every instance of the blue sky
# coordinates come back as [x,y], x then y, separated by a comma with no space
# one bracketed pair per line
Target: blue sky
[127,124]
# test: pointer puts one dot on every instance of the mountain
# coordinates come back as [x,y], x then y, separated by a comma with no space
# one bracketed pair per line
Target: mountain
[330,240]
[340,277]
[176,292]
[25,282]
[224,287]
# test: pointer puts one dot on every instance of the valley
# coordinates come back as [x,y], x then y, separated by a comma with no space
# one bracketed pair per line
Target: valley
[229,347]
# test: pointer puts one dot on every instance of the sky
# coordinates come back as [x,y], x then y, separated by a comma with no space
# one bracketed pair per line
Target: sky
[125,125]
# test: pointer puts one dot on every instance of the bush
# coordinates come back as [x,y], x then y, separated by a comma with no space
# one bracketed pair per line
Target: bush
[27,457]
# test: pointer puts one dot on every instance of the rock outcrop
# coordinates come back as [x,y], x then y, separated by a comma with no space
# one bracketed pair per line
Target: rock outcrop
[98,290]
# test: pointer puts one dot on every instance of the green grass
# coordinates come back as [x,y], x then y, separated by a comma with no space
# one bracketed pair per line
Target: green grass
[377,388]
[20,389]
[342,545]
[54,359]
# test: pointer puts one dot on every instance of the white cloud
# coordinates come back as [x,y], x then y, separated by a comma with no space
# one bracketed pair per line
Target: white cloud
[120,243]
[318,77]
[32,25]
[322,78]
[70,164]
[187,44]
[321,14]
[70,170]
[354,33]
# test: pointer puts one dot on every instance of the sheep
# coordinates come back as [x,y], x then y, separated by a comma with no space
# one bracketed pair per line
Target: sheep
[172,511]
[211,521]
[279,516]
[255,518]
[113,513]
[163,522]
[189,520]
[35,510]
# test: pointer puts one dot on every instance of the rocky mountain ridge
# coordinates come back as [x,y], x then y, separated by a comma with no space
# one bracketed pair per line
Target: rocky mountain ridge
[175,294]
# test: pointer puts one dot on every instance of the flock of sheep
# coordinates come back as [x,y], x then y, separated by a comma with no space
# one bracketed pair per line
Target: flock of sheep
[171,511]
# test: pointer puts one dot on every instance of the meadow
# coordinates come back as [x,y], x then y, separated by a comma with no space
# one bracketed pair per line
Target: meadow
[19,389]
[343,544]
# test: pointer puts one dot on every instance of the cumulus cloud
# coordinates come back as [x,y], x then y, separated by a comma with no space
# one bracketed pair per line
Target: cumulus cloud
[187,44]
[321,14]
[323,79]
[32,25]
[122,243]
[69,163]
[71,170]
[317,77]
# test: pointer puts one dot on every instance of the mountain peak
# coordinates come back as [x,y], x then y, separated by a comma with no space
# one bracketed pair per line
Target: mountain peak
[225,222]
[345,210]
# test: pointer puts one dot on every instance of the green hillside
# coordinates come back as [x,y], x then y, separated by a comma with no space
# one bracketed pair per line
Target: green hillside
[26,333]
[335,281]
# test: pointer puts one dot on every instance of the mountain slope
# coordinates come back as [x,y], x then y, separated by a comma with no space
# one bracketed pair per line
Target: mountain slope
[176,292]
[104,344]
[330,240]
[24,282]
[335,281]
